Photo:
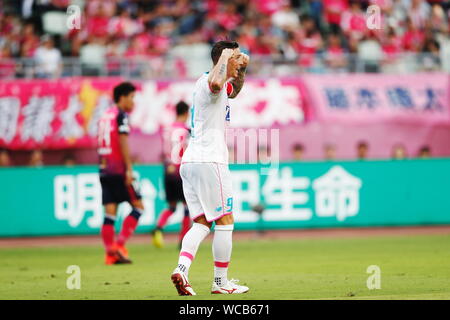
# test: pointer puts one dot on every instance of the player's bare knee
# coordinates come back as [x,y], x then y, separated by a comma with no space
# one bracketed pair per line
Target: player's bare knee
[202,220]
[225,220]
[111,209]
[138,204]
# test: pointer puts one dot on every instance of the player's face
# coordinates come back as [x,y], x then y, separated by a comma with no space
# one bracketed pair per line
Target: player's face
[234,64]
[128,102]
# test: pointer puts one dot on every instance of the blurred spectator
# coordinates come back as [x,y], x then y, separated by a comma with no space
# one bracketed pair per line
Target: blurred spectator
[370,53]
[195,54]
[98,24]
[123,26]
[424,152]
[227,16]
[5,160]
[297,152]
[431,58]
[399,152]
[69,160]
[92,56]
[330,151]
[362,150]
[29,41]
[353,21]
[333,12]
[438,21]
[335,55]
[391,46]
[419,11]
[310,41]
[286,18]
[36,158]
[413,37]
[48,59]
[7,65]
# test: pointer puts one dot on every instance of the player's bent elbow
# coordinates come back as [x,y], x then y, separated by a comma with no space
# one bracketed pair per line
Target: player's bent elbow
[215,86]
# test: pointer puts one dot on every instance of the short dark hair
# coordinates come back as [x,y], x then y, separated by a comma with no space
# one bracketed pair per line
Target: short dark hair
[123,89]
[363,144]
[425,149]
[181,108]
[218,47]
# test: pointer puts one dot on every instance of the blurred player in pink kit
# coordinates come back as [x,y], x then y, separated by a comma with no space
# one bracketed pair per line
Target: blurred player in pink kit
[175,139]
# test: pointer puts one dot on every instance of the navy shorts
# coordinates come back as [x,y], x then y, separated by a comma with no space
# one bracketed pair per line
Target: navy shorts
[173,185]
[114,189]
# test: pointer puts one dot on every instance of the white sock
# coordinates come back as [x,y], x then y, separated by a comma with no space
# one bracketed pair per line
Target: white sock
[190,244]
[222,246]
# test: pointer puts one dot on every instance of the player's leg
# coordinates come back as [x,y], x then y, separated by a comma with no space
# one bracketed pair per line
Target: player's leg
[158,240]
[202,193]
[110,200]
[192,239]
[223,240]
[189,246]
[130,223]
[108,232]
[222,247]
[165,215]
[185,223]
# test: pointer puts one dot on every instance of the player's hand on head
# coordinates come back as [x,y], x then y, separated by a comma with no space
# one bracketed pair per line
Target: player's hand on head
[244,59]
[227,52]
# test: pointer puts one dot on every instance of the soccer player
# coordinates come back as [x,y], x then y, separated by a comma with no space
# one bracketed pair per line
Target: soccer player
[116,174]
[174,143]
[204,169]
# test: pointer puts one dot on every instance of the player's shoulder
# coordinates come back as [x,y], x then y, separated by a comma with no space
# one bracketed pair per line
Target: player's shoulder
[203,79]
[121,113]
[109,113]
[202,87]
[122,121]
[179,125]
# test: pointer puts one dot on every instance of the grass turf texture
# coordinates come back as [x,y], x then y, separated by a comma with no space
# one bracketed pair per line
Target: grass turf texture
[411,268]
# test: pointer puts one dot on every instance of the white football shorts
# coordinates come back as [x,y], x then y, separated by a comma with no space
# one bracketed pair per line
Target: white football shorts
[207,188]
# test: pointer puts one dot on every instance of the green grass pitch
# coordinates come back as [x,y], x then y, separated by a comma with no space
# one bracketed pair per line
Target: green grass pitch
[412,267]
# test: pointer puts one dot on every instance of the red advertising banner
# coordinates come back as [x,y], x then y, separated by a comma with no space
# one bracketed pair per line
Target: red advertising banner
[52,114]
[63,113]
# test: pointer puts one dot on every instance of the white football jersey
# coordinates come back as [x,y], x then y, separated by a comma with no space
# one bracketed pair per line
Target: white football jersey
[210,116]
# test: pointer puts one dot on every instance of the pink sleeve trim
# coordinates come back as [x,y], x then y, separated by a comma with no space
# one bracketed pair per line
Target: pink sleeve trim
[230,89]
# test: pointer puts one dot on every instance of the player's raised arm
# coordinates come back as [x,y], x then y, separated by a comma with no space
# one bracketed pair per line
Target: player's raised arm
[238,81]
[218,75]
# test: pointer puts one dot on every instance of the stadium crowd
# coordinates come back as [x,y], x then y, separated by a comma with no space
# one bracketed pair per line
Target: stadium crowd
[291,30]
